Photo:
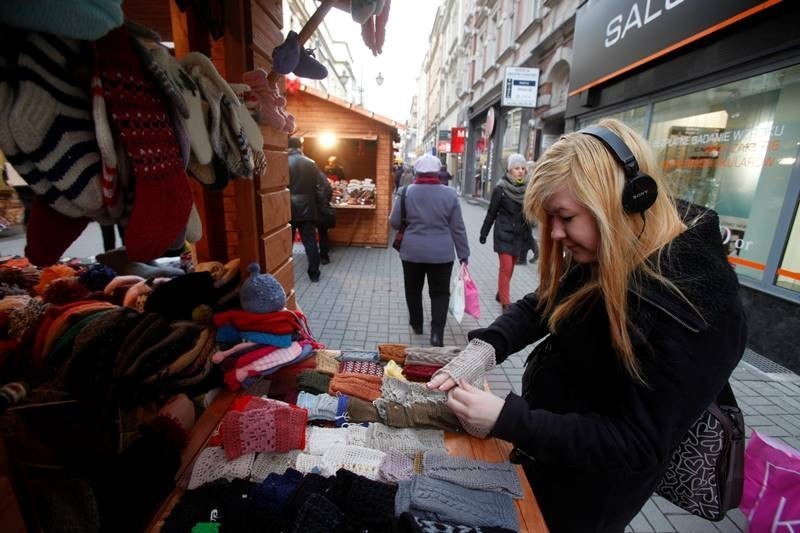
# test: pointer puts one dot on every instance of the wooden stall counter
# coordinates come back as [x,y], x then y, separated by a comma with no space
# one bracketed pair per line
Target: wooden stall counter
[354,225]
[462,445]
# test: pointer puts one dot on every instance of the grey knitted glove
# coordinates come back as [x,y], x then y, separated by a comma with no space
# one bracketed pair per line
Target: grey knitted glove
[473,362]
[472,473]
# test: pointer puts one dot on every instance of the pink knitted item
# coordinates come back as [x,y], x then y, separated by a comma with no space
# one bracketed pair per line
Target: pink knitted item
[220,356]
[271,360]
[271,426]
[361,367]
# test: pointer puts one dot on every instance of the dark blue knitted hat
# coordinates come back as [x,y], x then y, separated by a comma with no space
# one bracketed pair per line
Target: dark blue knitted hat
[261,293]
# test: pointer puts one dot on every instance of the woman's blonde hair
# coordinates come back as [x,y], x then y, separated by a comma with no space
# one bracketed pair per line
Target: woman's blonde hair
[585,167]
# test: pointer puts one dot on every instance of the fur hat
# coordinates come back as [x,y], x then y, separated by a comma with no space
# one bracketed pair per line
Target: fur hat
[261,293]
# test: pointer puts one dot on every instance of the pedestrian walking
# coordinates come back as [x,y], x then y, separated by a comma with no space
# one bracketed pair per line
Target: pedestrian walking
[512,233]
[306,185]
[434,236]
[444,175]
[645,328]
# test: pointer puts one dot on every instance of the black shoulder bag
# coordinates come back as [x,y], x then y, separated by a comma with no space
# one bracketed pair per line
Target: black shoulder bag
[398,238]
[706,474]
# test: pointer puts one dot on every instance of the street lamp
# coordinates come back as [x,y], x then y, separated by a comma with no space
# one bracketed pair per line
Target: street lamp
[379,79]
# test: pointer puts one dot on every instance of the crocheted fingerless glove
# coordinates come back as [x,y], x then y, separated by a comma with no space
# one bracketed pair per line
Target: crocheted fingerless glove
[471,365]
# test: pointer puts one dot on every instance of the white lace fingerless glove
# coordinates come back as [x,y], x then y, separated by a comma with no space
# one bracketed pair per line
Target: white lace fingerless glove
[473,362]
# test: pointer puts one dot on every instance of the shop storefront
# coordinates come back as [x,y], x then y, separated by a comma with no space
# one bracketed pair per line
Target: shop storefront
[719,99]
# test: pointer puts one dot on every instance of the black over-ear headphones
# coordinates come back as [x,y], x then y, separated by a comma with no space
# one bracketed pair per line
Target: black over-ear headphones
[640,190]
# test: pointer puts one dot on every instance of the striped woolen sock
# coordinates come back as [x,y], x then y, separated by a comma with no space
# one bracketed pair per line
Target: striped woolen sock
[51,124]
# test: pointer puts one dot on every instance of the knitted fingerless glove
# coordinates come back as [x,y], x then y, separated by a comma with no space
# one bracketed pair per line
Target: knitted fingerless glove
[471,365]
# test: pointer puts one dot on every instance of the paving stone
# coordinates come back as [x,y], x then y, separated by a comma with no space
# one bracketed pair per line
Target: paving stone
[687,523]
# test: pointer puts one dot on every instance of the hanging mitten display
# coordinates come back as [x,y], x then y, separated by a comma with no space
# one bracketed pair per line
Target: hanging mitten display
[163,199]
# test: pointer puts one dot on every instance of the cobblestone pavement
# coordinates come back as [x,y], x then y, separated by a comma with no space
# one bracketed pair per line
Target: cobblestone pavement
[359,302]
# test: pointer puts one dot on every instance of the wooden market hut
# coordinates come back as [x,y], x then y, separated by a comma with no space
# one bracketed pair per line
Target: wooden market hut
[363,146]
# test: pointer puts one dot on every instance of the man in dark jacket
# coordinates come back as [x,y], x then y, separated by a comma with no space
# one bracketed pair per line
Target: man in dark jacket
[307,186]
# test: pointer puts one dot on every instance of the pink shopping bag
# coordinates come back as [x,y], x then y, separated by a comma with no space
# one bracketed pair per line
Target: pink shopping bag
[771,498]
[472,306]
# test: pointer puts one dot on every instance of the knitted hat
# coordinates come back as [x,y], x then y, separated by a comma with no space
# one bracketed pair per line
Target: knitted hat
[162,196]
[326,361]
[269,462]
[313,381]
[176,299]
[87,20]
[356,355]
[515,160]
[359,411]
[395,352]
[473,473]
[361,367]
[65,290]
[51,274]
[97,277]
[427,164]
[396,466]
[431,355]
[450,502]
[361,386]
[408,441]
[261,293]
[212,464]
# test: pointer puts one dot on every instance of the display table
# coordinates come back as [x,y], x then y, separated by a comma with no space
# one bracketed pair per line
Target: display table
[494,450]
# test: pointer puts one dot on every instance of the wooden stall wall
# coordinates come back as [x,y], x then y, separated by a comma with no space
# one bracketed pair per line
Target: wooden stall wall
[317,115]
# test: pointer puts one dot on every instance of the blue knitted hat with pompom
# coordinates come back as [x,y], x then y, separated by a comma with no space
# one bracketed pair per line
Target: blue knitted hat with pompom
[261,293]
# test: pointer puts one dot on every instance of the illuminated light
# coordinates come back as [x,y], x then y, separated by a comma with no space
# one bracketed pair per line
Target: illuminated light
[327,140]
[786,161]
[168,44]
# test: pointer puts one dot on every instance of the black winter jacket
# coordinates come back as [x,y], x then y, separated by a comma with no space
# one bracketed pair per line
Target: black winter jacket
[512,233]
[597,441]
[308,187]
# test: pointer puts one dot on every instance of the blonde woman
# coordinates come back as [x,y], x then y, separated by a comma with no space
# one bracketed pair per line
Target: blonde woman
[645,326]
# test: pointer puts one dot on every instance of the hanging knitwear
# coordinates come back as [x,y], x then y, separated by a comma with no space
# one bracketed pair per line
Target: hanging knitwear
[472,473]
[137,110]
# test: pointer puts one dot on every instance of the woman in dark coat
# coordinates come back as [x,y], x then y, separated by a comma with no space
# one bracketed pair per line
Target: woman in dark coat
[512,233]
[645,328]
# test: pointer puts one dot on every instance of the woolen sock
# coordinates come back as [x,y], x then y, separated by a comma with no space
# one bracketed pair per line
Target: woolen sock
[50,233]
[163,199]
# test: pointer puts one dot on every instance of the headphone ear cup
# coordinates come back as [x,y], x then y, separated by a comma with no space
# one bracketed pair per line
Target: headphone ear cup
[639,193]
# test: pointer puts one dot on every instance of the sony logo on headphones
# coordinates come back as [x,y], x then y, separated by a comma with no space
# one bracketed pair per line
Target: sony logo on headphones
[639,194]
[615,31]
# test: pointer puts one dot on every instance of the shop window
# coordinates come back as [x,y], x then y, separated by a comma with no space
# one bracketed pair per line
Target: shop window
[732,148]
[788,275]
[636,118]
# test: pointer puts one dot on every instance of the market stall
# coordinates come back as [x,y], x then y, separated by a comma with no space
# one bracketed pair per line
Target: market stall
[362,144]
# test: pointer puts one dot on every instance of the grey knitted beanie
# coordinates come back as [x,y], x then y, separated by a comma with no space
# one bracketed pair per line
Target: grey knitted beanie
[472,473]
[261,293]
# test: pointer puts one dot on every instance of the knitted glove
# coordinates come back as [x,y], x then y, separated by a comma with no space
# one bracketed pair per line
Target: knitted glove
[273,493]
[431,355]
[318,515]
[361,367]
[482,239]
[406,392]
[353,355]
[313,381]
[319,439]
[212,464]
[312,484]
[476,359]
[407,441]
[472,473]
[395,467]
[392,352]
[358,459]
[359,411]
[326,361]
[433,415]
[268,463]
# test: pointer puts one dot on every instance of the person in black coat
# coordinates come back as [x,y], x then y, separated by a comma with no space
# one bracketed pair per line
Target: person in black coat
[645,328]
[512,233]
[307,186]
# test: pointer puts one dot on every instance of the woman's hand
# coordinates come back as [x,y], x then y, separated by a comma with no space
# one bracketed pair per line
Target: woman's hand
[473,406]
[442,382]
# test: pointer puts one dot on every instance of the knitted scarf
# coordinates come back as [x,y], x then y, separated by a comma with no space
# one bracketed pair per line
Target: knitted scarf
[427,178]
[512,190]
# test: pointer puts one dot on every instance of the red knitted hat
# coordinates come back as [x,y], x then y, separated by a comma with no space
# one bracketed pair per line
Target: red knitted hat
[139,114]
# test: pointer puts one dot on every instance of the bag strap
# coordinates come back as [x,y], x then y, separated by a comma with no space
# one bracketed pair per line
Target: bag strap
[403,219]
[726,397]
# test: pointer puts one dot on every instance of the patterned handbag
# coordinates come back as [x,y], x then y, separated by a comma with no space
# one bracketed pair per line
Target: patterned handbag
[706,474]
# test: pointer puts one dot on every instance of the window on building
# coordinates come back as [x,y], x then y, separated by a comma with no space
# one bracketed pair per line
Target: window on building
[732,148]
[513,123]
[636,118]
